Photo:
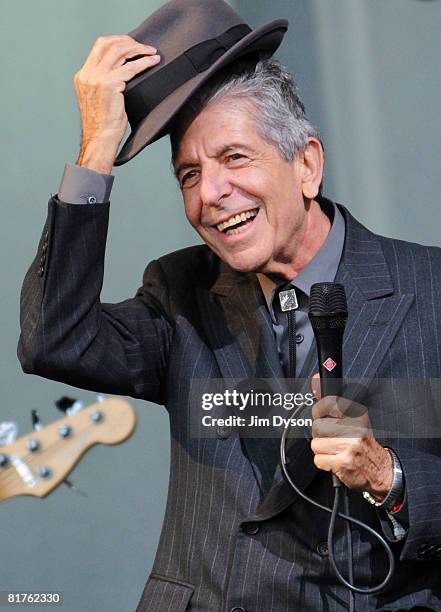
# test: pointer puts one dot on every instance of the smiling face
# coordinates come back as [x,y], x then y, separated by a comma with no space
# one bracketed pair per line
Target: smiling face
[246,202]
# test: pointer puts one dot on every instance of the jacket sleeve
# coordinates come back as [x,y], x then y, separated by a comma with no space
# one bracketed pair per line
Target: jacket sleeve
[420,459]
[68,335]
[421,468]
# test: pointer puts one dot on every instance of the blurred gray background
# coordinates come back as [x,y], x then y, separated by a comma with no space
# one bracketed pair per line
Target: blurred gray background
[370,76]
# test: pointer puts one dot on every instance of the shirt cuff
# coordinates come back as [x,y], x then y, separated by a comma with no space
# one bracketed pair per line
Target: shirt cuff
[81,185]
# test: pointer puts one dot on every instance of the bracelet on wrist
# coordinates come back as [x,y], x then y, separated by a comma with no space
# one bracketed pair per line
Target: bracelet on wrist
[394,498]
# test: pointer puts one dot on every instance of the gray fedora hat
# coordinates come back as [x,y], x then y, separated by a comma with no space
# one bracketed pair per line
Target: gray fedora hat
[194,38]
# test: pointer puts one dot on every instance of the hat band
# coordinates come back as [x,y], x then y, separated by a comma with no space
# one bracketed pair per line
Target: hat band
[145,96]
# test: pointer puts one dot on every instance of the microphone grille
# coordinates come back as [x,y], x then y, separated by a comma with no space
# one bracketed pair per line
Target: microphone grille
[327,299]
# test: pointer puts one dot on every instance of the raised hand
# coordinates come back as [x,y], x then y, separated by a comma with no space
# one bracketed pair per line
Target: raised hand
[99,85]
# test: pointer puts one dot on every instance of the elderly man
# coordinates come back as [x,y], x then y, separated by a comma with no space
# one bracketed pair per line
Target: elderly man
[249,165]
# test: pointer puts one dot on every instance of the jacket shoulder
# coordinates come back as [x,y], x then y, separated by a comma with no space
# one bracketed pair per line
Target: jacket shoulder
[400,254]
[172,282]
[416,259]
[189,267]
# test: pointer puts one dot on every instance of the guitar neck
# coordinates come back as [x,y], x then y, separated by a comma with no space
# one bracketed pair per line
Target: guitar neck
[38,462]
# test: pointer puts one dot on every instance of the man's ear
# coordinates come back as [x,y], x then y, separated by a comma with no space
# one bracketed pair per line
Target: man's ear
[311,173]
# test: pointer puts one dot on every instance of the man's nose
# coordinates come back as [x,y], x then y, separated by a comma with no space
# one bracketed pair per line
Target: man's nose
[214,186]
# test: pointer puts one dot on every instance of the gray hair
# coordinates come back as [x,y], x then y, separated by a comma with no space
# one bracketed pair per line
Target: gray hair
[275,105]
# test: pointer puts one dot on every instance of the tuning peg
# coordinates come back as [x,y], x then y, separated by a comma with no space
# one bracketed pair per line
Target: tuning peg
[76,407]
[8,432]
[64,403]
[36,423]
[68,405]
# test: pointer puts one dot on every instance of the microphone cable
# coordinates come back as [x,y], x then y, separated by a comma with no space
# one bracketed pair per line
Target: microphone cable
[334,512]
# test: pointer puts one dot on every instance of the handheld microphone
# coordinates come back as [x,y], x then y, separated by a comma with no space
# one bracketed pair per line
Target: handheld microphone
[328,312]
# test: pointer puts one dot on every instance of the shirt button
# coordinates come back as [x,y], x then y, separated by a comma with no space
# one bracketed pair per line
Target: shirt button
[299,338]
[322,549]
[40,271]
[91,200]
[251,528]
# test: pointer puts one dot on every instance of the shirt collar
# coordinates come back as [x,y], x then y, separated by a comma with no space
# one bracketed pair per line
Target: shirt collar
[322,267]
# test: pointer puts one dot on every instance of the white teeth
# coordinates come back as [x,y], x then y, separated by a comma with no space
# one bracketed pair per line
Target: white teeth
[236,219]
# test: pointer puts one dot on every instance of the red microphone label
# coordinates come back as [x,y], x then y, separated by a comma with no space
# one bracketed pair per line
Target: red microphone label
[329,364]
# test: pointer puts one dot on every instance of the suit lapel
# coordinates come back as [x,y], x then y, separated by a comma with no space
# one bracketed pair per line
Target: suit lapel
[376,309]
[239,329]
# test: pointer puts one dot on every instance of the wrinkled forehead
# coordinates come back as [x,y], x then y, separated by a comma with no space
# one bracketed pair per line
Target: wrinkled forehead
[231,113]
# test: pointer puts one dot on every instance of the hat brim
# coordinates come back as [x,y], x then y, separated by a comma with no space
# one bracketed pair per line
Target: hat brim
[266,38]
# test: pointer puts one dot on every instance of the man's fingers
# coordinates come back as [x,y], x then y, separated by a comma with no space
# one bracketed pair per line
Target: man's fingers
[326,428]
[338,428]
[115,47]
[329,446]
[331,463]
[327,407]
[337,407]
[315,385]
[115,79]
[117,54]
[132,68]
[100,46]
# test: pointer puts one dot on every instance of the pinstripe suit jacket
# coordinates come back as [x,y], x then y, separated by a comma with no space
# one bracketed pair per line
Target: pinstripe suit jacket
[235,536]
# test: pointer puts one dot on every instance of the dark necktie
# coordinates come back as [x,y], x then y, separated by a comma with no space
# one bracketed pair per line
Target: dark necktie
[286,305]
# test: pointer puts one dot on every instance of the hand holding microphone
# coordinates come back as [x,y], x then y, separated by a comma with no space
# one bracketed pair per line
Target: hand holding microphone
[343,442]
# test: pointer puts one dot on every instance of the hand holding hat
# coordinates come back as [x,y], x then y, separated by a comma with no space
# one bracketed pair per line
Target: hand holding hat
[100,84]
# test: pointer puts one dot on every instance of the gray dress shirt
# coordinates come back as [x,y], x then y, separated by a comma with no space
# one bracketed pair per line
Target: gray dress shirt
[322,268]
[84,186]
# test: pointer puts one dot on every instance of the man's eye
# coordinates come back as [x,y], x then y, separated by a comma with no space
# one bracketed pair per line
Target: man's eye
[235,156]
[187,176]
